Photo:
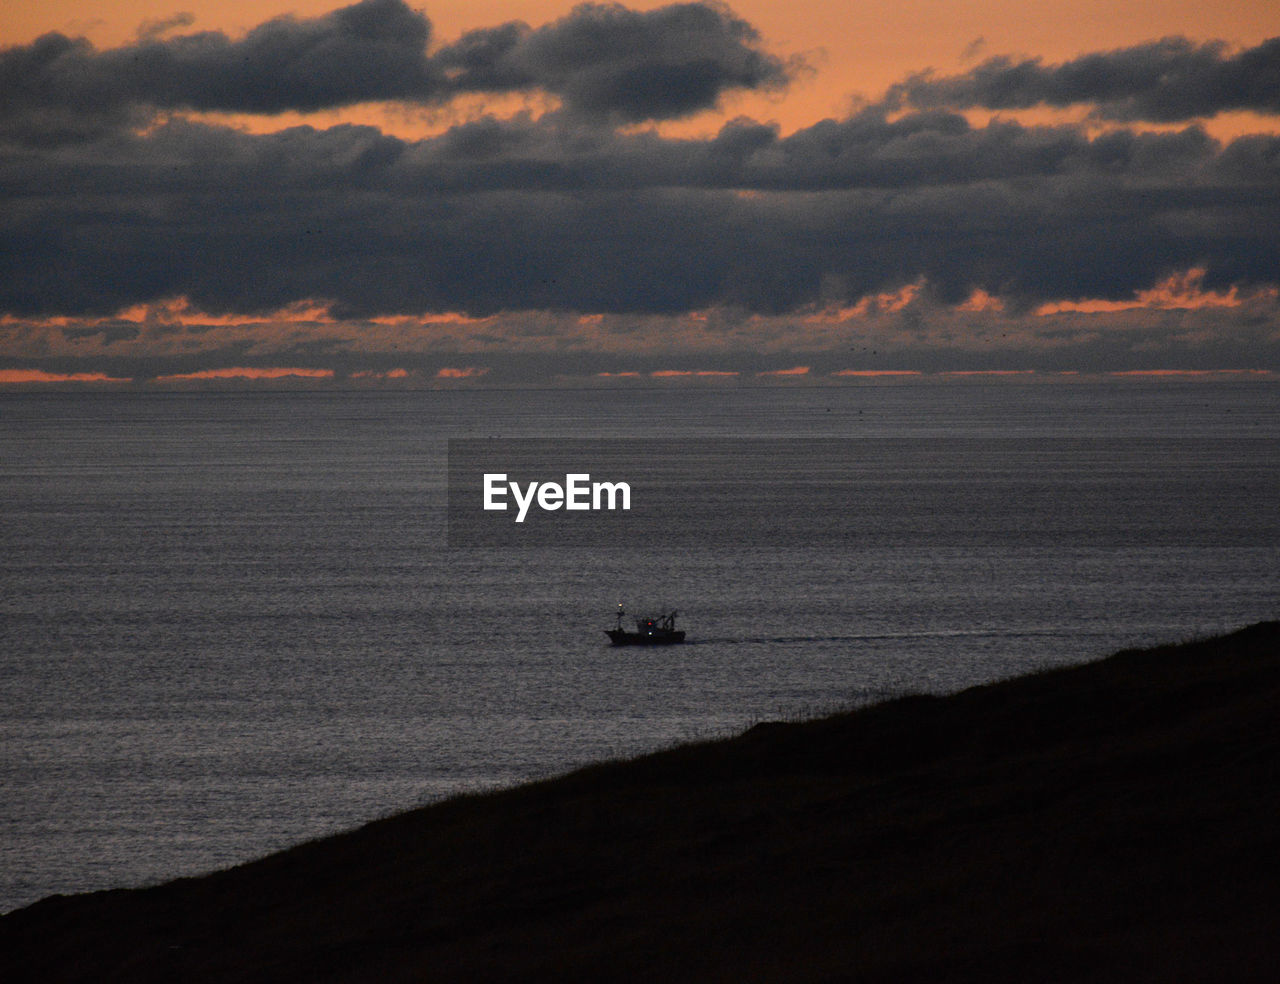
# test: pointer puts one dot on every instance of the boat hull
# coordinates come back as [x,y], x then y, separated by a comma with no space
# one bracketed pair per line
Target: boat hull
[662,638]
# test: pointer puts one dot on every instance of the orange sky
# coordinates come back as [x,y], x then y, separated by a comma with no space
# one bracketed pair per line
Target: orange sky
[854,48]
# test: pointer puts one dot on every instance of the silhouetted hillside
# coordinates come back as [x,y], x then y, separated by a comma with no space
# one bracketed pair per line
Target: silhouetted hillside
[1118,821]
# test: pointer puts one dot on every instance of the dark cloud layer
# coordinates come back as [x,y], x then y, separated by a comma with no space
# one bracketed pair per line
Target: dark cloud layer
[600,59]
[569,211]
[536,214]
[1167,81]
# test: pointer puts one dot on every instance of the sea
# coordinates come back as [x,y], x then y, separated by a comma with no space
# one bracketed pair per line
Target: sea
[234,622]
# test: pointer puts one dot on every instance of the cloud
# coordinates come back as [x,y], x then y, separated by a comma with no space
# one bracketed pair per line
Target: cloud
[915,225]
[973,49]
[22,377]
[875,373]
[248,373]
[545,214]
[602,60]
[373,50]
[605,59]
[1166,81]
[687,374]
[922,337]
[150,30]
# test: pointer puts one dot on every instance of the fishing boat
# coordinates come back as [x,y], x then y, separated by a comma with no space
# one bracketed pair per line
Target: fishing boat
[658,631]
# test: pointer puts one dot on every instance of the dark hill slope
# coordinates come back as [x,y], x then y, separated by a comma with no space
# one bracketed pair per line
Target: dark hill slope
[1118,821]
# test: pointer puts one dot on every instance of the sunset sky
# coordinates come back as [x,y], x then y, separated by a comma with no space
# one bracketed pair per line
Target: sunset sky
[468,194]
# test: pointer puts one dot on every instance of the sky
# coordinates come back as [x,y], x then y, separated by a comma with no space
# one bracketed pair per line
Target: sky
[235,194]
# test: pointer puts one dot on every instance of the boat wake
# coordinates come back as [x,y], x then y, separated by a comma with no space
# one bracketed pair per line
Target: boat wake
[774,640]
[869,637]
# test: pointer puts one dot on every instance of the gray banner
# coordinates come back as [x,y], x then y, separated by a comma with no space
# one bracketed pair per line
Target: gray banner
[771,493]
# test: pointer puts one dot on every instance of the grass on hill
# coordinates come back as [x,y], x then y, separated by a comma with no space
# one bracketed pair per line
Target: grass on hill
[1115,821]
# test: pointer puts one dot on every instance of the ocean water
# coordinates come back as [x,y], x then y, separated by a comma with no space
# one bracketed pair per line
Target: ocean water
[232,622]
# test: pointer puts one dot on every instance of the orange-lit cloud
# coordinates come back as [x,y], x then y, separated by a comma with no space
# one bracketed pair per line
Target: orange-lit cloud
[1181,291]
[793,371]
[466,372]
[885,302]
[11,377]
[980,300]
[247,373]
[871,373]
[694,373]
[180,311]
[421,320]
[833,344]
[390,375]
